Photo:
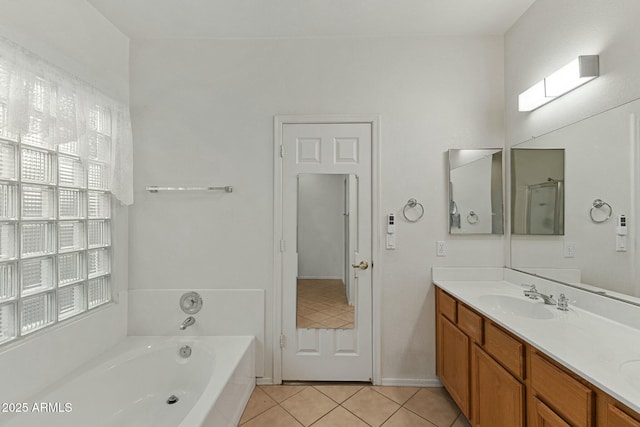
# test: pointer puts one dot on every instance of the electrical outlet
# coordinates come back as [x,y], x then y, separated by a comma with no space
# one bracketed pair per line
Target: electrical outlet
[569,249]
[441,248]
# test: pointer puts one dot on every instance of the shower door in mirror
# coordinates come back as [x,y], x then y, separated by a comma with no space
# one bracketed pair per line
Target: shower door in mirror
[326,302]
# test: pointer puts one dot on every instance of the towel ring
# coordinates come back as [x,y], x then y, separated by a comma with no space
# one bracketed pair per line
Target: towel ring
[412,203]
[599,204]
[472,218]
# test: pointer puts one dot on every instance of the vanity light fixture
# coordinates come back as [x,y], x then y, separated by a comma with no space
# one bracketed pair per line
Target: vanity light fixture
[578,72]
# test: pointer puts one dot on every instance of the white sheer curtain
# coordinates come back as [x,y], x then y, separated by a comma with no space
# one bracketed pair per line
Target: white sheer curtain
[45,106]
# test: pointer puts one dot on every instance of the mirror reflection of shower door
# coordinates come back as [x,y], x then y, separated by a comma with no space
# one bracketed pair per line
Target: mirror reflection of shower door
[545,208]
[326,206]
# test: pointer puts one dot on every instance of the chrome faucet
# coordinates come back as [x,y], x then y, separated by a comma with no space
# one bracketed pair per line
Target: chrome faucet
[534,294]
[187,322]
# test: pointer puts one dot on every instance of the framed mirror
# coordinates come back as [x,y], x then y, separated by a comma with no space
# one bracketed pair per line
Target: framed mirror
[326,238]
[537,191]
[475,191]
[602,171]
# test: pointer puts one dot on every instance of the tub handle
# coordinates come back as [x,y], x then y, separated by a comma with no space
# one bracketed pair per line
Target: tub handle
[191,302]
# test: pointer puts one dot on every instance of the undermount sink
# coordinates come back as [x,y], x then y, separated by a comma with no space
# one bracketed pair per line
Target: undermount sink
[517,307]
[631,372]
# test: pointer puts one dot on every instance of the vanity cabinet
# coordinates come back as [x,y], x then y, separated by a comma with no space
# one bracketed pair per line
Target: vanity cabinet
[498,397]
[453,369]
[569,398]
[616,417]
[498,380]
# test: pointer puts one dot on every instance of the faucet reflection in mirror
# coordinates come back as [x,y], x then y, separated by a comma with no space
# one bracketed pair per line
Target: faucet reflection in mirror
[475,191]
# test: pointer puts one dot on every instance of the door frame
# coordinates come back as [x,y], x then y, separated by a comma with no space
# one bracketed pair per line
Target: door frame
[376,291]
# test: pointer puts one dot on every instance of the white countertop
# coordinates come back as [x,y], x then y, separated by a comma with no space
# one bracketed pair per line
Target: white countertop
[592,346]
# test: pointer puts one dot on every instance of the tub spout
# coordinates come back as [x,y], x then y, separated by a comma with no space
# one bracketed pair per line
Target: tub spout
[187,322]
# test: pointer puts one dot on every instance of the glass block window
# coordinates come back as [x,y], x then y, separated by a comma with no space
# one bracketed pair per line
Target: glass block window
[55,229]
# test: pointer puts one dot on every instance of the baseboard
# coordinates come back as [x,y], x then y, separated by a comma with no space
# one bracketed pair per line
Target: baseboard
[408,382]
[399,382]
[320,278]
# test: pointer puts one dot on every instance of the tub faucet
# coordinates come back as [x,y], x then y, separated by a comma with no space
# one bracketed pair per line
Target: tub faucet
[534,294]
[187,322]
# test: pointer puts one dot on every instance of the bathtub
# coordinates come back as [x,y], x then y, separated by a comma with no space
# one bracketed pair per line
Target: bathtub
[133,383]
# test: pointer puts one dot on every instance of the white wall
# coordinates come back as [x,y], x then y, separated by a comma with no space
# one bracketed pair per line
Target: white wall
[552,33]
[203,115]
[572,28]
[321,228]
[73,36]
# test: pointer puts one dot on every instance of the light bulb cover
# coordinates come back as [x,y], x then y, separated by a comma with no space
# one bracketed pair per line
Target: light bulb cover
[576,73]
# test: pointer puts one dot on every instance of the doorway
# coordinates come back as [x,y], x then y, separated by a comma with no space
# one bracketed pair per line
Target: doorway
[324,182]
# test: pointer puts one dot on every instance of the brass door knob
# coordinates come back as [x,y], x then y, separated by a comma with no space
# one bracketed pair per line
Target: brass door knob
[362,266]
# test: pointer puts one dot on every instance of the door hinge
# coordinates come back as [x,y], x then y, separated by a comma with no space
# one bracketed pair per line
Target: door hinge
[283,245]
[281,150]
[282,341]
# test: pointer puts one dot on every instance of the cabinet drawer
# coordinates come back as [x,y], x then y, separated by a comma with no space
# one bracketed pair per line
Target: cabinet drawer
[506,349]
[447,305]
[617,418]
[566,395]
[470,323]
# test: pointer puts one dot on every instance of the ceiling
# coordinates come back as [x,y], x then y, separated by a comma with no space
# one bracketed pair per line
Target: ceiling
[309,18]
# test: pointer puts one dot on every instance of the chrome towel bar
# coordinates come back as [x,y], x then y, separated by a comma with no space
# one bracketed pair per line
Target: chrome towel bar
[155,189]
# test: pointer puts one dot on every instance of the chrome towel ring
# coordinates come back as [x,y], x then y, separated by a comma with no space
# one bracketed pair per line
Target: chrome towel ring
[598,204]
[411,204]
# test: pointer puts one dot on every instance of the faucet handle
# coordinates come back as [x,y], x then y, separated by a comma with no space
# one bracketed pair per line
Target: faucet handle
[532,293]
[563,303]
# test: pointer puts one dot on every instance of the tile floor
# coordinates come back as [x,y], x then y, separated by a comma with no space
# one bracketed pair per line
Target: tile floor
[322,303]
[350,406]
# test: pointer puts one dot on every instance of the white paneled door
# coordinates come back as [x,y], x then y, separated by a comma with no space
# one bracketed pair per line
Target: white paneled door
[345,354]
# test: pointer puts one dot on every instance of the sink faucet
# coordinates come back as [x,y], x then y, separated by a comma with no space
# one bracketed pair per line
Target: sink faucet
[187,322]
[534,294]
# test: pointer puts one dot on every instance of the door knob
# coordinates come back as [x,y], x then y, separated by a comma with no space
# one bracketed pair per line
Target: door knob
[362,266]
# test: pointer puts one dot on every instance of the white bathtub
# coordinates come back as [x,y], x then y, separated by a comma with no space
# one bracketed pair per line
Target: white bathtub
[130,385]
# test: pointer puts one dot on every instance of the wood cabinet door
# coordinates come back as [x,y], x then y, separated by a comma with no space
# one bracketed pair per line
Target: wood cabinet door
[454,362]
[545,417]
[617,418]
[498,398]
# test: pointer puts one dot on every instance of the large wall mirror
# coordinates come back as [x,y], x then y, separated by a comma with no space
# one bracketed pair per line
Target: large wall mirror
[475,191]
[537,191]
[601,173]
[326,238]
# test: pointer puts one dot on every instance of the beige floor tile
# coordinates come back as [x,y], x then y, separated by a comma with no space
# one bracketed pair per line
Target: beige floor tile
[435,405]
[274,417]
[258,403]
[334,322]
[280,393]
[406,418]
[318,316]
[348,317]
[308,406]
[339,393]
[371,406]
[397,394]
[461,421]
[340,417]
